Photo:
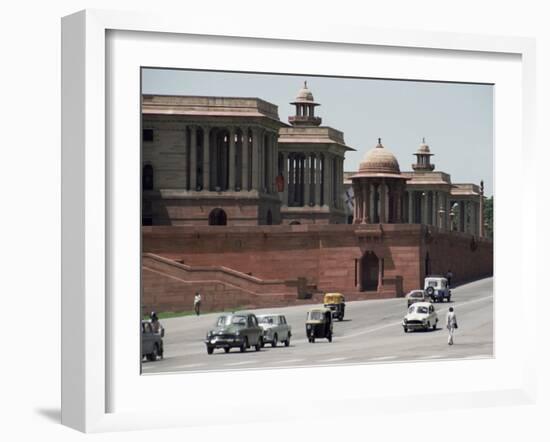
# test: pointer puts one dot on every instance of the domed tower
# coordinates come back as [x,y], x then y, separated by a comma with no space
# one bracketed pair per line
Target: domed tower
[305,109]
[423,155]
[378,188]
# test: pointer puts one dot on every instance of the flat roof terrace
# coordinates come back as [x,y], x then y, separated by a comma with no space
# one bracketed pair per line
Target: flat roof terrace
[208,106]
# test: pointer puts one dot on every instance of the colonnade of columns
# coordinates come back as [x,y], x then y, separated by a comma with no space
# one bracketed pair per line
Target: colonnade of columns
[312,179]
[435,208]
[378,201]
[229,158]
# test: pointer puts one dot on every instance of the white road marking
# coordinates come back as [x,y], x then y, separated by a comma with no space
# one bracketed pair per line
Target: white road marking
[288,361]
[239,363]
[332,360]
[393,324]
[382,358]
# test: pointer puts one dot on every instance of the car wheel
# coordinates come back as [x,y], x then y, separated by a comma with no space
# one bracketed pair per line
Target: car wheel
[258,344]
[287,342]
[226,349]
[274,342]
[209,350]
[244,346]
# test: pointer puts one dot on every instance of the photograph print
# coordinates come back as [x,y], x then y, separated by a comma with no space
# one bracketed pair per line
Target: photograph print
[303,221]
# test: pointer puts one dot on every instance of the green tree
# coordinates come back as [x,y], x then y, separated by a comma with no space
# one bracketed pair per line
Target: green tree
[488,217]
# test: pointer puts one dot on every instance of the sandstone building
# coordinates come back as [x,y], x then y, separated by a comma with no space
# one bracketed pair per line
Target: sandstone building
[292,221]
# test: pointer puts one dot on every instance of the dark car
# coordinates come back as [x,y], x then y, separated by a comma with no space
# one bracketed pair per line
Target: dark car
[151,342]
[235,330]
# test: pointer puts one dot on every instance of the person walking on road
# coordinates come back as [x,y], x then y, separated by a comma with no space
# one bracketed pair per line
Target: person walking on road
[451,325]
[197,303]
[449,276]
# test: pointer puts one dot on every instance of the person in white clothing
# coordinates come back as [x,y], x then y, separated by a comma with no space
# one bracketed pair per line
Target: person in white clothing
[197,303]
[451,325]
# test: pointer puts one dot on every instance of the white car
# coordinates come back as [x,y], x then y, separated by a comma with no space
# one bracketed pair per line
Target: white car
[275,328]
[416,296]
[421,315]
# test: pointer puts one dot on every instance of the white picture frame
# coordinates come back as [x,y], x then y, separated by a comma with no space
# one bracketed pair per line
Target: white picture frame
[93,238]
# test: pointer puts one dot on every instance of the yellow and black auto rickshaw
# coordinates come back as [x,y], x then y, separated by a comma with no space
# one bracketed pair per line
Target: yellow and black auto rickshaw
[319,324]
[336,303]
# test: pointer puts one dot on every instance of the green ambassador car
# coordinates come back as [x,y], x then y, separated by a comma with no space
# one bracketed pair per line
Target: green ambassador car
[231,330]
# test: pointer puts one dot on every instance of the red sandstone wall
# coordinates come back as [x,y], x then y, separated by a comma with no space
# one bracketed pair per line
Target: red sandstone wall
[467,258]
[324,254]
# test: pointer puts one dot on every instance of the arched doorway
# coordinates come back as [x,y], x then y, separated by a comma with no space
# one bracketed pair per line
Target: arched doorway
[294,223]
[269,220]
[217,217]
[147,177]
[427,265]
[370,267]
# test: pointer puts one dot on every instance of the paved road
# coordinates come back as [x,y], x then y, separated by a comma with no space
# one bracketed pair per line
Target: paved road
[371,332]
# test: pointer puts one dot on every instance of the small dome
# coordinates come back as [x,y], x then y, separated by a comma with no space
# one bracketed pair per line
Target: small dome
[304,95]
[379,160]
[423,148]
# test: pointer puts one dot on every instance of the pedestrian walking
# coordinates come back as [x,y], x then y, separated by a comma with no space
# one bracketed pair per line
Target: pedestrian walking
[452,324]
[449,276]
[197,303]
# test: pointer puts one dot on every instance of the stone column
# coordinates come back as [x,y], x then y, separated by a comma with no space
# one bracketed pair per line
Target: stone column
[317,179]
[307,180]
[255,159]
[356,200]
[331,181]
[261,158]
[434,209]
[275,162]
[206,158]
[382,193]
[399,208]
[231,159]
[363,204]
[285,178]
[244,153]
[326,178]
[185,149]
[424,203]
[267,162]
[367,203]
[193,159]
[411,207]
[291,180]
[339,183]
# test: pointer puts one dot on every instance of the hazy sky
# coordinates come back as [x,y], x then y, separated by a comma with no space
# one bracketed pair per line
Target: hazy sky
[456,119]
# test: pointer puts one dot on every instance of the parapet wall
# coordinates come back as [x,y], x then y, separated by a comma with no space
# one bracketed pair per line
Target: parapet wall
[326,255]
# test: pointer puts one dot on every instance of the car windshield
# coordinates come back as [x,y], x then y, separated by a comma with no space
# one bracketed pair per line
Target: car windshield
[422,309]
[417,295]
[315,315]
[231,319]
[238,320]
[266,320]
